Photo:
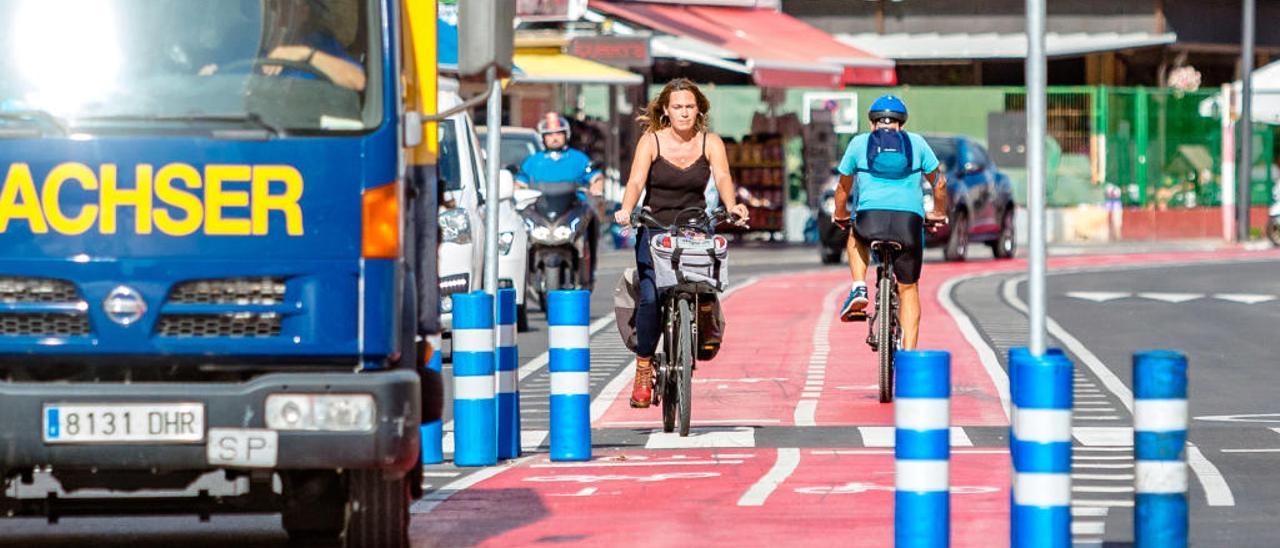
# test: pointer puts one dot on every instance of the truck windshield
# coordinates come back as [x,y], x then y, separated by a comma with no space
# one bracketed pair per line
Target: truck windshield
[306,66]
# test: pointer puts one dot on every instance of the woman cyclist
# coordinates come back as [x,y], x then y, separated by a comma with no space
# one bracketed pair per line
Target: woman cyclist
[673,160]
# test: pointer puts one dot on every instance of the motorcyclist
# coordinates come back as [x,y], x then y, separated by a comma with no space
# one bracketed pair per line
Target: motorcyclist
[558,163]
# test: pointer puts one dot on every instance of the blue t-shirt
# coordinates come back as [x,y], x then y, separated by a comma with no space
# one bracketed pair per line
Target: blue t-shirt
[570,165]
[888,194]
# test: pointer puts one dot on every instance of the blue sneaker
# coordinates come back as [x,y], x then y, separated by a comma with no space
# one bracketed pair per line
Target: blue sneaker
[855,305]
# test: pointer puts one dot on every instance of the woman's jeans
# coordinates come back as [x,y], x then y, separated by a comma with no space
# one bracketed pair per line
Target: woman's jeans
[648,326]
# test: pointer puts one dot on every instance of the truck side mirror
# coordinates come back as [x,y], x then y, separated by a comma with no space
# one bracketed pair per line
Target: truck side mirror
[506,184]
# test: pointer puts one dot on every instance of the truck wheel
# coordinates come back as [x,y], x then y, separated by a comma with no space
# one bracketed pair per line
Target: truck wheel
[315,508]
[379,510]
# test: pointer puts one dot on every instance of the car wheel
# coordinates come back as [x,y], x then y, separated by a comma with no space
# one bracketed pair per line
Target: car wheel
[1006,245]
[829,255]
[958,243]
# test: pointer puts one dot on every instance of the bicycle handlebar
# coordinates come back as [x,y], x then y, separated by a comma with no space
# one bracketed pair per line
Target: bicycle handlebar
[700,219]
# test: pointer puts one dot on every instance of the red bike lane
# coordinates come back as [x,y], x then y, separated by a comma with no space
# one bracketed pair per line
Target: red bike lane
[783,349]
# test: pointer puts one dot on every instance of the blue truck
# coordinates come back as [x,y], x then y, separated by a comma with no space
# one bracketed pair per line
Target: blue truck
[217,260]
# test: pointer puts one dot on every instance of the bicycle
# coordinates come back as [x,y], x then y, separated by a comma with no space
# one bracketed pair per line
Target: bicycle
[886,332]
[681,288]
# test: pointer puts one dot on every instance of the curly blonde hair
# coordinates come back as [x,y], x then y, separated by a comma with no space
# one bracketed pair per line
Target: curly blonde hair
[654,118]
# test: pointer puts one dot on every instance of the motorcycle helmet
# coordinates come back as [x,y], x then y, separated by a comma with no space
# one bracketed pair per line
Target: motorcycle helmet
[553,122]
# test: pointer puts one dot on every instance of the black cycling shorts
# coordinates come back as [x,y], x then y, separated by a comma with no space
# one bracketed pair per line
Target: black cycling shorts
[895,226]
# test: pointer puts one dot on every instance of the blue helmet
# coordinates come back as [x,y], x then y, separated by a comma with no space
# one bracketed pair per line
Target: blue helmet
[888,106]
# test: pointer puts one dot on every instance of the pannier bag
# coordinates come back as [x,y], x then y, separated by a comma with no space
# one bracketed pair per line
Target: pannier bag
[625,296]
[710,326]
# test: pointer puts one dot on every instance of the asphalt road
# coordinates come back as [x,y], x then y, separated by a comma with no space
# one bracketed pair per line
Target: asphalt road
[1223,316]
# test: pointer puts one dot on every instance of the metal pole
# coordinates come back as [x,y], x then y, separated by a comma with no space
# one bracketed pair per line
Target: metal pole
[1036,115]
[494,135]
[1245,163]
[1228,183]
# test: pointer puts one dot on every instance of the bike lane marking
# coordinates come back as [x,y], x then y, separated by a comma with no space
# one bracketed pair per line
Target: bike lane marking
[613,500]
[768,337]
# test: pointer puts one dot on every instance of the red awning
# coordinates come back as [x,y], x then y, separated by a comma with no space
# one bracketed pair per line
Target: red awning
[781,50]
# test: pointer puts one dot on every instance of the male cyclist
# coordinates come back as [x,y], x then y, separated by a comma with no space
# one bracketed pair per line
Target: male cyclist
[888,164]
[559,163]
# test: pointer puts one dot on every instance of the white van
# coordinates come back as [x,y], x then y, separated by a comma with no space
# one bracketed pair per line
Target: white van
[462,214]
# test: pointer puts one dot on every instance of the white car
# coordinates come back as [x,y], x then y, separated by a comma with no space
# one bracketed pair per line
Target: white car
[462,214]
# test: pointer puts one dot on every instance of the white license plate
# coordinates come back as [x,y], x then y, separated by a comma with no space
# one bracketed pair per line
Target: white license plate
[243,447]
[123,422]
[695,245]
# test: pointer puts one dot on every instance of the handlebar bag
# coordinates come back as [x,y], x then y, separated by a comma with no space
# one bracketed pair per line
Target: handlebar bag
[673,265]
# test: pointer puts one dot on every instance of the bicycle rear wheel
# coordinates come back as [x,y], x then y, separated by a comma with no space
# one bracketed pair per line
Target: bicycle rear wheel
[669,399]
[886,319]
[684,364]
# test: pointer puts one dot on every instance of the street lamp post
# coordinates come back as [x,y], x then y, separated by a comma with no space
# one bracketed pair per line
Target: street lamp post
[1036,114]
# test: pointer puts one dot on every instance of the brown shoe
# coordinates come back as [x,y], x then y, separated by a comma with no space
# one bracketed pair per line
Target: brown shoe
[642,391]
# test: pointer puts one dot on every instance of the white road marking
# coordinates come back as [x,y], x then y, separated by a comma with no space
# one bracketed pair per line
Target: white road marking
[605,398]
[433,499]
[1216,490]
[1171,297]
[1098,296]
[788,460]
[736,438]
[1092,466]
[1244,298]
[807,408]
[1101,489]
[739,422]
[1259,417]
[1088,512]
[1102,477]
[630,464]
[1250,450]
[985,354]
[1101,503]
[1088,527]
[1103,436]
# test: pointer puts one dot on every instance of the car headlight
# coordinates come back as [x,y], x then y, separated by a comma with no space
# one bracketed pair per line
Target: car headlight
[323,412]
[540,233]
[455,226]
[829,206]
[561,234]
[504,242]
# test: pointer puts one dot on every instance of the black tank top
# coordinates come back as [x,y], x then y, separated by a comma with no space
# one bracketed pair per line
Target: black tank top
[672,190]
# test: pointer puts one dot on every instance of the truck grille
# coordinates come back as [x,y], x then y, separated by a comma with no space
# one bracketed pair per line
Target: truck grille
[265,290]
[36,290]
[43,325]
[233,325]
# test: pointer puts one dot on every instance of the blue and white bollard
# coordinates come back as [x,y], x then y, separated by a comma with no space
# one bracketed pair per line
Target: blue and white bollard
[474,411]
[1159,443]
[1040,445]
[568,316]
[432,435]
[922,449]
[508,380]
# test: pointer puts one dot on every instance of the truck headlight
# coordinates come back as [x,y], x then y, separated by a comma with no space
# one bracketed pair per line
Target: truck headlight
[455,226]
[321,412]
[504,242]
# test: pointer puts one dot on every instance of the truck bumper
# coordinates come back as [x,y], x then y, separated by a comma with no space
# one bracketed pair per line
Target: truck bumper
[392,444]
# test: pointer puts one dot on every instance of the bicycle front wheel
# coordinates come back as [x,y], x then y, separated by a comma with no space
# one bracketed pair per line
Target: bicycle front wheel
[886,319]
[684,364]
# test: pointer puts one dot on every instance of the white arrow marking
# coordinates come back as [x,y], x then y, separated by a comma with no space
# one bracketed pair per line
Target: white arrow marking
[1245,298]
[1262,417]
[1097,296]
[1171,297]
